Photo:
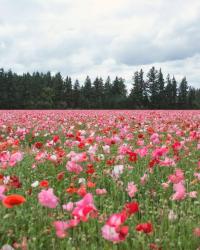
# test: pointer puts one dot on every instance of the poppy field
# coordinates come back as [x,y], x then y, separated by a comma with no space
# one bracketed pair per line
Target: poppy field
[100,180]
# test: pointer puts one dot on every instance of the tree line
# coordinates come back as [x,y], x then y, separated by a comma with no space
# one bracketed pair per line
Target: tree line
[47,91]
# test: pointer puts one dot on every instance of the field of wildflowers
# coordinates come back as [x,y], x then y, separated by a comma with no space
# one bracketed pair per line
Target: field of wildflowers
[100,180]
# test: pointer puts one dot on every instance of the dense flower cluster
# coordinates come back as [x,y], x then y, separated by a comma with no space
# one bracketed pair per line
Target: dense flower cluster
[100,178]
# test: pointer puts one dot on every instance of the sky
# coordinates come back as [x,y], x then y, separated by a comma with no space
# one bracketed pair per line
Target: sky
[101,37]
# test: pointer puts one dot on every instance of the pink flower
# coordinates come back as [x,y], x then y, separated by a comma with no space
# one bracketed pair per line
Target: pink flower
[79,157]
[167,162]
[74,167]
[114,230]
[101,191]
[177,177]
[155,138]
[69,206]
[131,189]
[143,179]
[84,208]
[40,156]
[109,233]
[2,190]
[47,198]
[165,185]
[106,149]
[114,234]
[197,175]
[62,226]
[116,220]
[192,194]
[158,152]
[180,193]
[4,156]
[142,151]
[196,231]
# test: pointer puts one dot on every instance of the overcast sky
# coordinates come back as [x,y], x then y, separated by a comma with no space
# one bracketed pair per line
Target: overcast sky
[101,37]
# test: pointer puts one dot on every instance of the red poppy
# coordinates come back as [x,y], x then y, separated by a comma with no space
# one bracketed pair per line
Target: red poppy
[15,182]
[153,246]
[60,176]
[144,227]
[91,184]
[123,231]
[44,183]
[71,190]
[132,156]
[55,138]
[13,200]
[82,191]
[38,144]
[131,208]
[141,136]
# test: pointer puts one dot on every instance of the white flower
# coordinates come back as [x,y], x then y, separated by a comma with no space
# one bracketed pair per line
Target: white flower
[81,180]
[117,171]
[35,184]
[6,179]
[172,216]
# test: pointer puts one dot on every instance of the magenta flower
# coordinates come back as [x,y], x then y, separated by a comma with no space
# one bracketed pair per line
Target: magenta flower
[2,190]
[74,167]
[47,198]
[131,189]
[84,207]
[180,193]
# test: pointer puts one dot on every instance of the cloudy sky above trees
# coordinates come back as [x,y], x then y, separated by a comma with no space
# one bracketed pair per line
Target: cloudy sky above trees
[101,37]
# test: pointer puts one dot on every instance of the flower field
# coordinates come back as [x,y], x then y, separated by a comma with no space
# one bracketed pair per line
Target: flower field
[100,180]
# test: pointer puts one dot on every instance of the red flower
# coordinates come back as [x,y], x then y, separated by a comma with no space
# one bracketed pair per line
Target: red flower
[132,156]
[44,183]
[13,200]
[131,208]
[14,182]
[144,227]
[71,190]
[60,176]
[123,231]
[81,145]
[141,136]
[91,184]
[153,246]
[38,144]
[82,191]
[55,138]
[110,162]
[90,169]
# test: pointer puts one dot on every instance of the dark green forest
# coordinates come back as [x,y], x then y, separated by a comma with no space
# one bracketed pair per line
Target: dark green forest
[47,91]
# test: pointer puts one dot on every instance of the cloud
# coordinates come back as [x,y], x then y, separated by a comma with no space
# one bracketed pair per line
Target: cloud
[100,37]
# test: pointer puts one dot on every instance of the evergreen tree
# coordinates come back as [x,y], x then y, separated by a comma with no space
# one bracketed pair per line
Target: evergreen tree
[182,93]
[174,92]
[44,91]
[107,94]
[136,95]
[161,90]
[153,87]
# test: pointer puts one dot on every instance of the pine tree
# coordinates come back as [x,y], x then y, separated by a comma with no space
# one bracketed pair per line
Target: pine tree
[182,93]
[136,95]
[107,94]
[161,90]
[174,92]
[153,87]
[76,95]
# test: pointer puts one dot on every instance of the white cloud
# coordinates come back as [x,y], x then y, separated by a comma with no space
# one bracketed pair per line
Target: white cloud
[101,37]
